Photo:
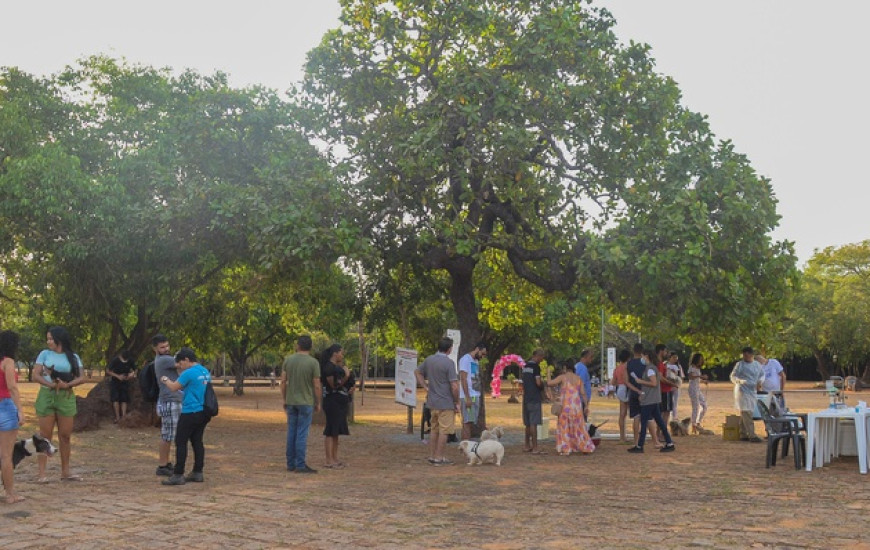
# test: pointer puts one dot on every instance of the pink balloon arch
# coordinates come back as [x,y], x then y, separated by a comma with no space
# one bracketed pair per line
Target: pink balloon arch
[498,369]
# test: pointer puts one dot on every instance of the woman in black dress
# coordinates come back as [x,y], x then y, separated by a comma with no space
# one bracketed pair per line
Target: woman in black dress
[337,382]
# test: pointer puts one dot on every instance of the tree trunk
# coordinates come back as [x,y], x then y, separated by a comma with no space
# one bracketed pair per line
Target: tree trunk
[239,358]
[822,364]
[465,307]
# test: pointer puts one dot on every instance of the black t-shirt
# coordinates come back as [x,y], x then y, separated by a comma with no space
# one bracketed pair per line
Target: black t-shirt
[634,366]
[531,391]
[120,367]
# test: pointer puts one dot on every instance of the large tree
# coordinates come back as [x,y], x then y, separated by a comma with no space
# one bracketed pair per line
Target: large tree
[125,188]
[829,316]
[525,127]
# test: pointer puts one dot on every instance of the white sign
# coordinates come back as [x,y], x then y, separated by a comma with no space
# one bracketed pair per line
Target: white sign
[456,336]
[406,379]
[611,362]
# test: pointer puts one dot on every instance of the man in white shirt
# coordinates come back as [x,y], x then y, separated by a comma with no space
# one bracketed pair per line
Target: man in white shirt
[469,387]
[774,378]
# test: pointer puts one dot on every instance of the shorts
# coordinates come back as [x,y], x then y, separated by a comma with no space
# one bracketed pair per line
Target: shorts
[470,415]
[8,415]
[119,392]
[50,402]
[169,412]
[442,421]
[532,415]
[622,393]
[633,405]
[667,404]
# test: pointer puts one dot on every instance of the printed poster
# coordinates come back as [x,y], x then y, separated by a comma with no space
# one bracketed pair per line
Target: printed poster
[406,379]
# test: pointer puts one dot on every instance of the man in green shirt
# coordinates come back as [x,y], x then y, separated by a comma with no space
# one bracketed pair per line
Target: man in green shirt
[300,386]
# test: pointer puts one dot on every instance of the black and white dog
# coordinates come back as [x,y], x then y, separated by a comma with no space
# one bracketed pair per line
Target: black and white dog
[32,445]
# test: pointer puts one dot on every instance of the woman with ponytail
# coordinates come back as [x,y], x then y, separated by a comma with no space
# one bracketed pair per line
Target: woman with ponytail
[58,369]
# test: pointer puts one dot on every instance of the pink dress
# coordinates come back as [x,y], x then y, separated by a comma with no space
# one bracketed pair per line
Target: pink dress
[571,434]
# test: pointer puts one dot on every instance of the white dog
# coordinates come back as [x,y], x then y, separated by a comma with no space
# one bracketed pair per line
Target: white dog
[496,433]
[489,450]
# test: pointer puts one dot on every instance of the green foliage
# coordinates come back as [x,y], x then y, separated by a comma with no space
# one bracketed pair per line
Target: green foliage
[526,128]
[124,189]
[829,316]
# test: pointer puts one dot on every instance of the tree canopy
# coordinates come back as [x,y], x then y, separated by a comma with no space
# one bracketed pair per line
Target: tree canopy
[525,127]
[124,188]
[829,316]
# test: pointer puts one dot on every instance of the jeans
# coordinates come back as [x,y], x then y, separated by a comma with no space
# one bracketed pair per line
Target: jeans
[298,422]
[652,412]
[191,427]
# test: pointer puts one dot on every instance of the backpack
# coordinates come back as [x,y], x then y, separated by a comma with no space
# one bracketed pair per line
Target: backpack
[210,402]
[148,383]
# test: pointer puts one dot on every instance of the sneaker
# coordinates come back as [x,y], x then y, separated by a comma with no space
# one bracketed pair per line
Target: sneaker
[306,470]
[291,468]
[635,449]
[174,479]
[668,448]
[165,470]
[446,462]
[195,477]
[755,439]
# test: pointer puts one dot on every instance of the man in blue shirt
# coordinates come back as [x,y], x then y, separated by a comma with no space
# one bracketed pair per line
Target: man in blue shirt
[193,419]
[581,369]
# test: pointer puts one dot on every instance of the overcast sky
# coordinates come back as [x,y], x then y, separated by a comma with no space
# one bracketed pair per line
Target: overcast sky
[785,80]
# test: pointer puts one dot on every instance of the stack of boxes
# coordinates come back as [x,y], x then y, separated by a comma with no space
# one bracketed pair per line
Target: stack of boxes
[731,428]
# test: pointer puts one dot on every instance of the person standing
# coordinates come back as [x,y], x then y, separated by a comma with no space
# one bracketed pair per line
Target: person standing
[667,390]
[533,392]
[168,402]
[300,386]
[650,401]
[571,433]
[469,387]
[774,379]
[582,370]
[635,369]
[334,376]
[437,374]
[620,382]
[747,377]
[674,371]
[11,413]
[192,381]
[699,402]
[120,371]
[57,370]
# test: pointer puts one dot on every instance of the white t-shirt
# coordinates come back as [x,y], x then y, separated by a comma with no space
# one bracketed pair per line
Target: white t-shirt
[472,367]
[771,376]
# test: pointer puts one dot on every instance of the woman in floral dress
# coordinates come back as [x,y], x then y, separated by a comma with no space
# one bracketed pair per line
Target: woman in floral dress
[571,434]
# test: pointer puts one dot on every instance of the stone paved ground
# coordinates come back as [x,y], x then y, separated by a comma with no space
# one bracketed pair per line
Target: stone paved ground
[709,493]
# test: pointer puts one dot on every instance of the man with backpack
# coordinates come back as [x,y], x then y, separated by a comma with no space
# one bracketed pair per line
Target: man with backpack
[168,401]
[194,380]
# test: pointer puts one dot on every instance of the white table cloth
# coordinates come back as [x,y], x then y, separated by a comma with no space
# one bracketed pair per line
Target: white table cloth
[823,430]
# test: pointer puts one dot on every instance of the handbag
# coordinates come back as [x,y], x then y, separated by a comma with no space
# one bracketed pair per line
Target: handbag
[556,408]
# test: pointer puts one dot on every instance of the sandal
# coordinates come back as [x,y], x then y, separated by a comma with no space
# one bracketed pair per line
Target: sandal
[13,500]
[43,480]
[72,477]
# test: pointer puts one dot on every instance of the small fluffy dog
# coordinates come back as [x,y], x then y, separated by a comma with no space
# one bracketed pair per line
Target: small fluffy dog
[680,428]
[496,433]
[30,446]
[490,450]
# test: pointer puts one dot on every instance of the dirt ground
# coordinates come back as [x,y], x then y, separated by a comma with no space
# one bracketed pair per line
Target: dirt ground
[710,493]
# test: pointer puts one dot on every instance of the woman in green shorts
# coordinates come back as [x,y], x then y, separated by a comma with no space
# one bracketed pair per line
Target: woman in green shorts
[57,370]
